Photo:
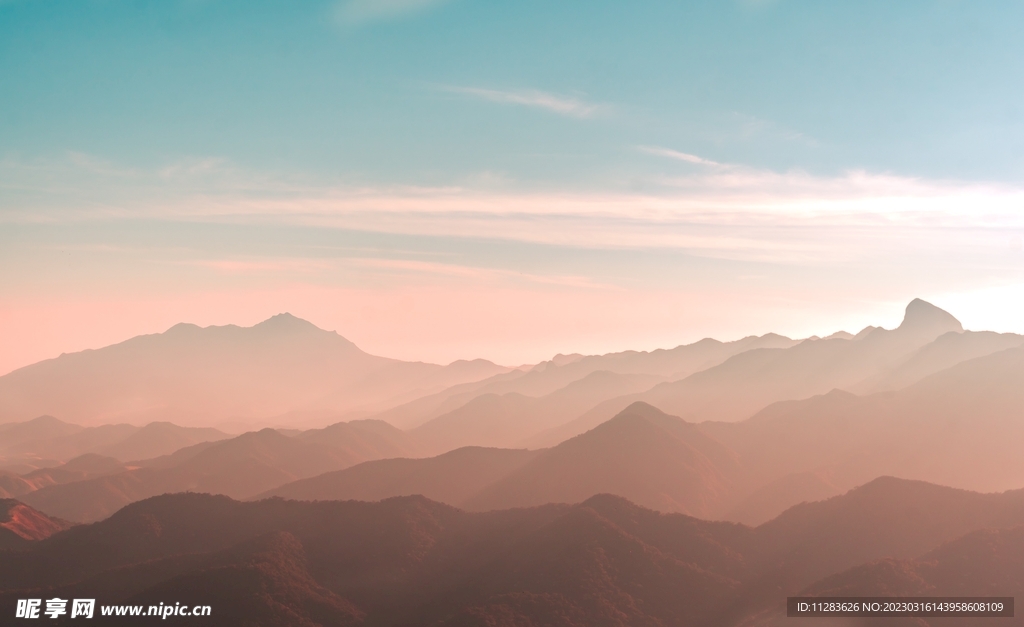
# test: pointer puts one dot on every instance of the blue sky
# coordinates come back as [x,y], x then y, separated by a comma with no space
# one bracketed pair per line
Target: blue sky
[920,88]
[814,164]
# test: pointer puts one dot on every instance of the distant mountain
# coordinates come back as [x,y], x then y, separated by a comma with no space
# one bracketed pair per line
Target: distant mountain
[560,373]
[791,451]
[605,561]
[239,467]
[47,441]
[200,376]
[80,468]
[653,459]
[450,478]
[945,352]
[507,420]
[754,379]
[958,427]
[748,471]
[40,428]
[20,525]
[160,438]
[642,454]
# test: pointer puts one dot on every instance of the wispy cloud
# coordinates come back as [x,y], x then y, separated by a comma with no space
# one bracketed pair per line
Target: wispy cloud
[678,156]
[719,210]
[563,105]
[356,12]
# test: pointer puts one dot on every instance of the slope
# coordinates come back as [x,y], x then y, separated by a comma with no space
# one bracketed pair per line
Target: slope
[197,376]
[240,467]
[449,478]
[550,376]
[653,459]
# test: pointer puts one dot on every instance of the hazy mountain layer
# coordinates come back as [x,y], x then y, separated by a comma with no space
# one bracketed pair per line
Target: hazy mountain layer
[548,378]
[504,420]
[451,478]
[958,427]
[239,467]
[604,562]
[752,380]
[47,441]
[201,376]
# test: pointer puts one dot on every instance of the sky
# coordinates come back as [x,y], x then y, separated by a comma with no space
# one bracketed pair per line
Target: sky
[438,180]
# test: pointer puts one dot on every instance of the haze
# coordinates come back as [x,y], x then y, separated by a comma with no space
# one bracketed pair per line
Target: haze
[503,314]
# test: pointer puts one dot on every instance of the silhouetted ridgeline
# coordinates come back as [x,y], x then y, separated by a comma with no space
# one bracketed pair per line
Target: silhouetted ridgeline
[411,561]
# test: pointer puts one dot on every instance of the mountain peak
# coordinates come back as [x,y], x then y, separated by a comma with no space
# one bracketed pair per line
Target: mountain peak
[922,315]
[286,323]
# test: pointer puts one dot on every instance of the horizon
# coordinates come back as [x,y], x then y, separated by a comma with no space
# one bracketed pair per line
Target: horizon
[464,313]
[441,180]
[548,357]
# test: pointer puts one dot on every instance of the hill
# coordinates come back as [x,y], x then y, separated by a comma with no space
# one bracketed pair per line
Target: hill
[240,467]
[653,459]
[605,561]
[547,378]
[507,420]
[20,525]
[958,427]
[752,380]
[198,376]
[450,478]
[46,441]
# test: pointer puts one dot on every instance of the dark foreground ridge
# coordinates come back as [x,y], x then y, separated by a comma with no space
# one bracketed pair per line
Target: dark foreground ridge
[606,561]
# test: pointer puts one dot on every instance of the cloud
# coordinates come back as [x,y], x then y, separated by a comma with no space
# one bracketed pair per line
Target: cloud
[356,12]
[562,105]
[679,156]
[718,211]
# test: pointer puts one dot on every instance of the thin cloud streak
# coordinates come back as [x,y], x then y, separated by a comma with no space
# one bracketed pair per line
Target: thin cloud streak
[723,212]
[678,156]
[563,105]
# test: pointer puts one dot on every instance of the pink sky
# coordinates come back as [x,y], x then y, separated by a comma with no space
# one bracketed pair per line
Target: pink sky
[445,274]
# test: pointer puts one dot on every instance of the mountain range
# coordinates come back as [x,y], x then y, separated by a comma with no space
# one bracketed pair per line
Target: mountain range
[605,561]
[204,376]
[699,485]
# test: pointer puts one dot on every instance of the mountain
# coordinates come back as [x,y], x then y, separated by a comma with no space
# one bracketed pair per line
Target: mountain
[958,427]
[642,454]
[605,561]
[78,469]
[240,467]
[199,376]
[276,565]
[159,438]
[47,441]
[507,420]
[549,377]
[20,525]
[887,520]
[40,428]
[981,563]
[401,561]
[790,452]
[450,478]
[754,379]
[945,352]
[748,471]
[887,517]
